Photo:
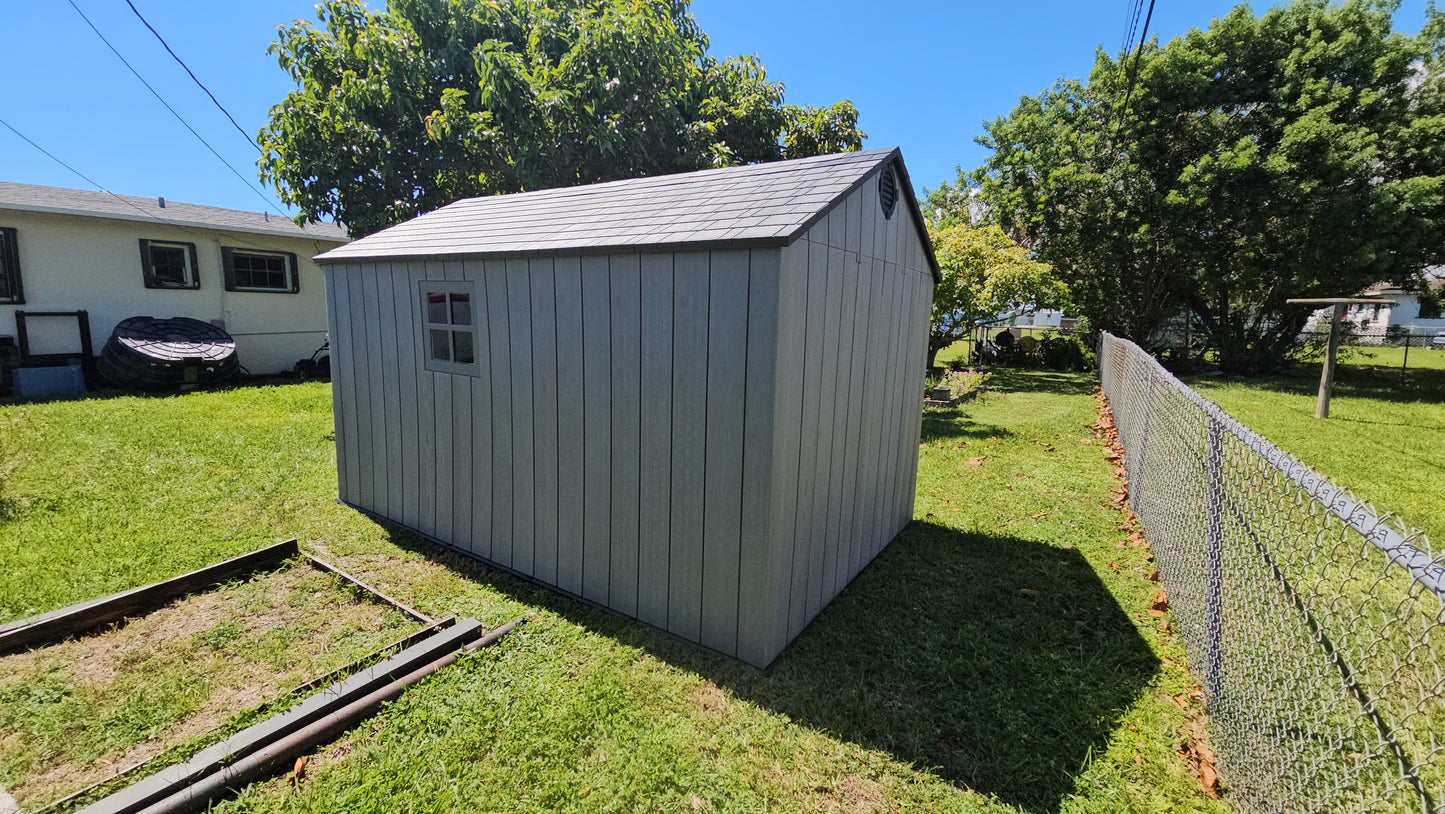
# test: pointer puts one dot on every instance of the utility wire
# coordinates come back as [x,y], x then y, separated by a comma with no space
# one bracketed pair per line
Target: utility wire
[1134,73]
[1136,7]
[85,177]
[187,68]
[167,105]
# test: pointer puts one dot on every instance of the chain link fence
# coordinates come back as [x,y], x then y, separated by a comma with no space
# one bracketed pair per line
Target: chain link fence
[1314,623]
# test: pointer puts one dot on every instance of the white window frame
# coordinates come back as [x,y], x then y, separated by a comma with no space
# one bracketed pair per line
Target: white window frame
[228,253]
[425,289]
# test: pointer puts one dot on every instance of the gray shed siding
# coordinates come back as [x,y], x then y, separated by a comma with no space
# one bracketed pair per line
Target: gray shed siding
[713,442]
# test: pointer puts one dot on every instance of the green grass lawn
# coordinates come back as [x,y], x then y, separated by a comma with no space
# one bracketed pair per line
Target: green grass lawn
[1384,439]
[998,656]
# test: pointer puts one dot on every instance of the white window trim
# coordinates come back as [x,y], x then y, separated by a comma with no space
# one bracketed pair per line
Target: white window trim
[428,287]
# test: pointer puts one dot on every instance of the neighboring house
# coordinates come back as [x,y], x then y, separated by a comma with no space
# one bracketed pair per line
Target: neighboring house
[1408,314]
[693,399]
[118,256]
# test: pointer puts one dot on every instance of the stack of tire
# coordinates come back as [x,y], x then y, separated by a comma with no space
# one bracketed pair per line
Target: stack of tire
[167,354]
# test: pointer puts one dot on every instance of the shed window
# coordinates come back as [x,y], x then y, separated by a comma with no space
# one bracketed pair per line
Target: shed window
[250,270]
[10,268]
[450,333]
[168,265]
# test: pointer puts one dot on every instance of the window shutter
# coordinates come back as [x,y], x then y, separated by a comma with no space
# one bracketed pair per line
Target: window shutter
[295,272]
[228,268]
[148,270]
[10,290]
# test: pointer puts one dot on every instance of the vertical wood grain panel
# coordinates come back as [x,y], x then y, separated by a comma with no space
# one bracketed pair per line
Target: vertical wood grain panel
[460,479]
[570,420]
[782,508]
[544,390]
[823,555]
[361,364]
[626,319]
[405,304]
[654,520]
[381,423]
[480,418]
[870,426]
[443,421]
[920,351]
[597,428]
[499,333]
[868,218]
[893,405]
[343,382]
[807,568]
[835,564]
[857,417]
[388,382]
[726,385]
[689,448]
[519,312]
[759,606]
[426,409]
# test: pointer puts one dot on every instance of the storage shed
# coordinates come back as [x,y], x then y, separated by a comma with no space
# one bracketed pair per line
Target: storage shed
[693,399]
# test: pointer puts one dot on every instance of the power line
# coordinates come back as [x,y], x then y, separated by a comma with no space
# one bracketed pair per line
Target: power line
[1136,7]
[187,68]
[167,106]
[1134,73]
[87,178]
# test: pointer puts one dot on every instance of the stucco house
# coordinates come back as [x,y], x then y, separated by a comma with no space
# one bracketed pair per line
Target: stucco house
[118,256]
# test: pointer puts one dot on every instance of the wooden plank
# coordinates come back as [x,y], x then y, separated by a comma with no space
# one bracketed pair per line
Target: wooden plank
[426,410]
[760,608]
[877,408]
[655,444]
[81,618]
[807,547]
[343,382]
[460,478]
[389,383]
[570,487]
[727,348]
[837,221]
[852,459]
[544,416]
[836,562]
[361,398]
[626,323]
[406,306]
[920,351]
[172,779]
[524,517]
[596,428]
[827,400]
[868,218]
[892,407]
[499,333]
[381,422]
[444,470]
[689,442]
[480,417]
[853,223]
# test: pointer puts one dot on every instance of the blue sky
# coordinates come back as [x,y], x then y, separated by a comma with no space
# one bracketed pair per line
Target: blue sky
[925,75]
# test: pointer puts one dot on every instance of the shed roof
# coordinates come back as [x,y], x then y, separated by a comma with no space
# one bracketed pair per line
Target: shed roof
[88,203]
[756,205]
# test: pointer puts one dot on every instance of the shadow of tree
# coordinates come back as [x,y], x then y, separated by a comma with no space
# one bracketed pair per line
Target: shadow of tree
[954,422]
[998,664]
[1042,381]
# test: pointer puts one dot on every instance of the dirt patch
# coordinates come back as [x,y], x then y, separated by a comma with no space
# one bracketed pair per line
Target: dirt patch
[76,712]
[855,795]
[710,698]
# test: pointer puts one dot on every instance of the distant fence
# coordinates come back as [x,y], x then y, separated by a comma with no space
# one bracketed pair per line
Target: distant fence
[1314,624]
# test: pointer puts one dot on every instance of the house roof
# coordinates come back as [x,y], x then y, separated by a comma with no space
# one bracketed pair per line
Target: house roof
[87,203]
[756,205]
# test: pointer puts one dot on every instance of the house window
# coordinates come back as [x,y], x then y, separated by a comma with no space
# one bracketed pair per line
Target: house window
[450,333]
[251,270]
[168,265]
[10,268]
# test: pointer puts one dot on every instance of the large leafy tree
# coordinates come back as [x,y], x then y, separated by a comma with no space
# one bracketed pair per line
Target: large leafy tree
[400,111]
[984,274]
[1297,154]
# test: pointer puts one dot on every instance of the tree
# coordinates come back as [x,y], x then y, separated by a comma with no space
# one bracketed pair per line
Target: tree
[1297,154]
[401,111]
[984,274]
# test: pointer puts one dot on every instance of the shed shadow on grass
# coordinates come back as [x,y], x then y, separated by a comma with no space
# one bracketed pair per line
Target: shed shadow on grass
[996,663]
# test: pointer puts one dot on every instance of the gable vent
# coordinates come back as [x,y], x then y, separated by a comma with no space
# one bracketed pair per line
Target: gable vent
[887,190]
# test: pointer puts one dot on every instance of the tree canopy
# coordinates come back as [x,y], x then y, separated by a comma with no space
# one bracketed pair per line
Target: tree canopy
[401,111]
[984,274]
[1297,154]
